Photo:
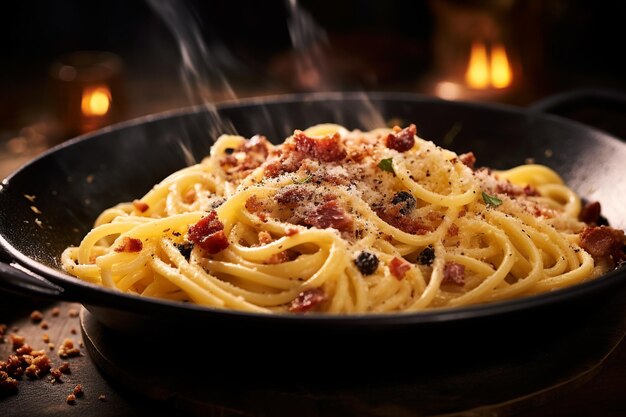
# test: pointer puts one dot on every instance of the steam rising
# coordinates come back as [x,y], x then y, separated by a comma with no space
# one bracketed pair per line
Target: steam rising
[200,74]
[202,78]
[310,43]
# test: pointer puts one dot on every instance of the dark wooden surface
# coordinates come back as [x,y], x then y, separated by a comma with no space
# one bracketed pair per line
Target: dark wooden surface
[600,392]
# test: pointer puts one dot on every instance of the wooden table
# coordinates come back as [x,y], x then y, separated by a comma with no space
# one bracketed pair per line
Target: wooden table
[603,395]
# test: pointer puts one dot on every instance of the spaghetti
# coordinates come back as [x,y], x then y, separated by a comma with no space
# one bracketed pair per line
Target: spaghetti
[342,221]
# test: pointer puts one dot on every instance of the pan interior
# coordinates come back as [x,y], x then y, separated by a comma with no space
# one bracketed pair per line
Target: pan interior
[52,202]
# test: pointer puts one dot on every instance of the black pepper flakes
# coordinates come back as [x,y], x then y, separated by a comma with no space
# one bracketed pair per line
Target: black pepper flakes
[427,256]
[406,199]
[185,249]
[366,262]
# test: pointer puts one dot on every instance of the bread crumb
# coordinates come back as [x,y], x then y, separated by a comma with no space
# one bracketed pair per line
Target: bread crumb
[65,368]
[36,316]
[45,338]
[17,341]
[71,399]
[78,390]
[44,325]
[55,312]
[73,330]
[72,312]
[67,349]
[56,375]
[51,346]
[102,397]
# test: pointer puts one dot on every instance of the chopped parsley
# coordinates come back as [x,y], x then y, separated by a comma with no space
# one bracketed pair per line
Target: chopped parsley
[386,165]
[304,180]
[491,200]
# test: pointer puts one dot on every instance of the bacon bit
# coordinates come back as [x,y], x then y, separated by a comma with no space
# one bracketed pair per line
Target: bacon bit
[17,341]
[253,204]
[292,195]
[209,234]
[36,316]
[307,300]
[265,237]
[246,157]
[326,149]
[531,191]
[603,241]
[402,141]
[291,231]
[590,213]
[329,215]
[407,224]
[453,273]
[468,159]
[399,267]
[129,244]
[140,206]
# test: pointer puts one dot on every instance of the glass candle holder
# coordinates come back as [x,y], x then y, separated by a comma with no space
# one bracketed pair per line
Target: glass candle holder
[89,90]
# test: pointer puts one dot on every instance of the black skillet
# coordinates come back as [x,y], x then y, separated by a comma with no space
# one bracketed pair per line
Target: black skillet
[74,182]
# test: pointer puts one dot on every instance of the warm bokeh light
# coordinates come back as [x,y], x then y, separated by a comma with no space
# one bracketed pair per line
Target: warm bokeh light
[477,75]
[501,74]
[96,101]
[483,70]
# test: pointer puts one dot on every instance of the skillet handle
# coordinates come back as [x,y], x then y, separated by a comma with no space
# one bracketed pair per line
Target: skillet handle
[15,279]
[574,100]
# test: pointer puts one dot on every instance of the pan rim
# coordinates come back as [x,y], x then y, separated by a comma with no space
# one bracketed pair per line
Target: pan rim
[497,308]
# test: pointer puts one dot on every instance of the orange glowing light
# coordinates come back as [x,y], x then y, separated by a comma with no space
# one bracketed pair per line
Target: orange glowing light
[477,75]
[483,71]
[501,74]
[96,101]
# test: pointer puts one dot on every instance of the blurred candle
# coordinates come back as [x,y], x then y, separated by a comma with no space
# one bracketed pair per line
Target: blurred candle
[88,89]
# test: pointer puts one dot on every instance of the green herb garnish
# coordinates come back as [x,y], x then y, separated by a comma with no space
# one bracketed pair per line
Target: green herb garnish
[386,165]
[491,200]
[304,180]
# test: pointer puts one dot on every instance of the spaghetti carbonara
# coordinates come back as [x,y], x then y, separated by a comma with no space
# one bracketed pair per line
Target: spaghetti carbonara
[342,221]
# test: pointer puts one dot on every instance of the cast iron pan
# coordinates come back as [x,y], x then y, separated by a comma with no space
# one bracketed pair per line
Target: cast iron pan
[78,179]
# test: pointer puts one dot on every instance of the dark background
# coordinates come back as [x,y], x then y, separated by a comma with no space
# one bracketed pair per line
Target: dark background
[376,45]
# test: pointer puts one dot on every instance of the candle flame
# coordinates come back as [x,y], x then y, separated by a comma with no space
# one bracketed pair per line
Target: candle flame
[96,101]
[483,71]
[501,75]
[477,75]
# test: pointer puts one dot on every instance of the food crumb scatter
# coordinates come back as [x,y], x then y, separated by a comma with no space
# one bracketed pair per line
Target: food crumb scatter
[67,349]
[36,316]
[65,368]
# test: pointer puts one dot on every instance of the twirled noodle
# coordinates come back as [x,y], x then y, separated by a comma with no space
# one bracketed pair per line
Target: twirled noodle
[340,221]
